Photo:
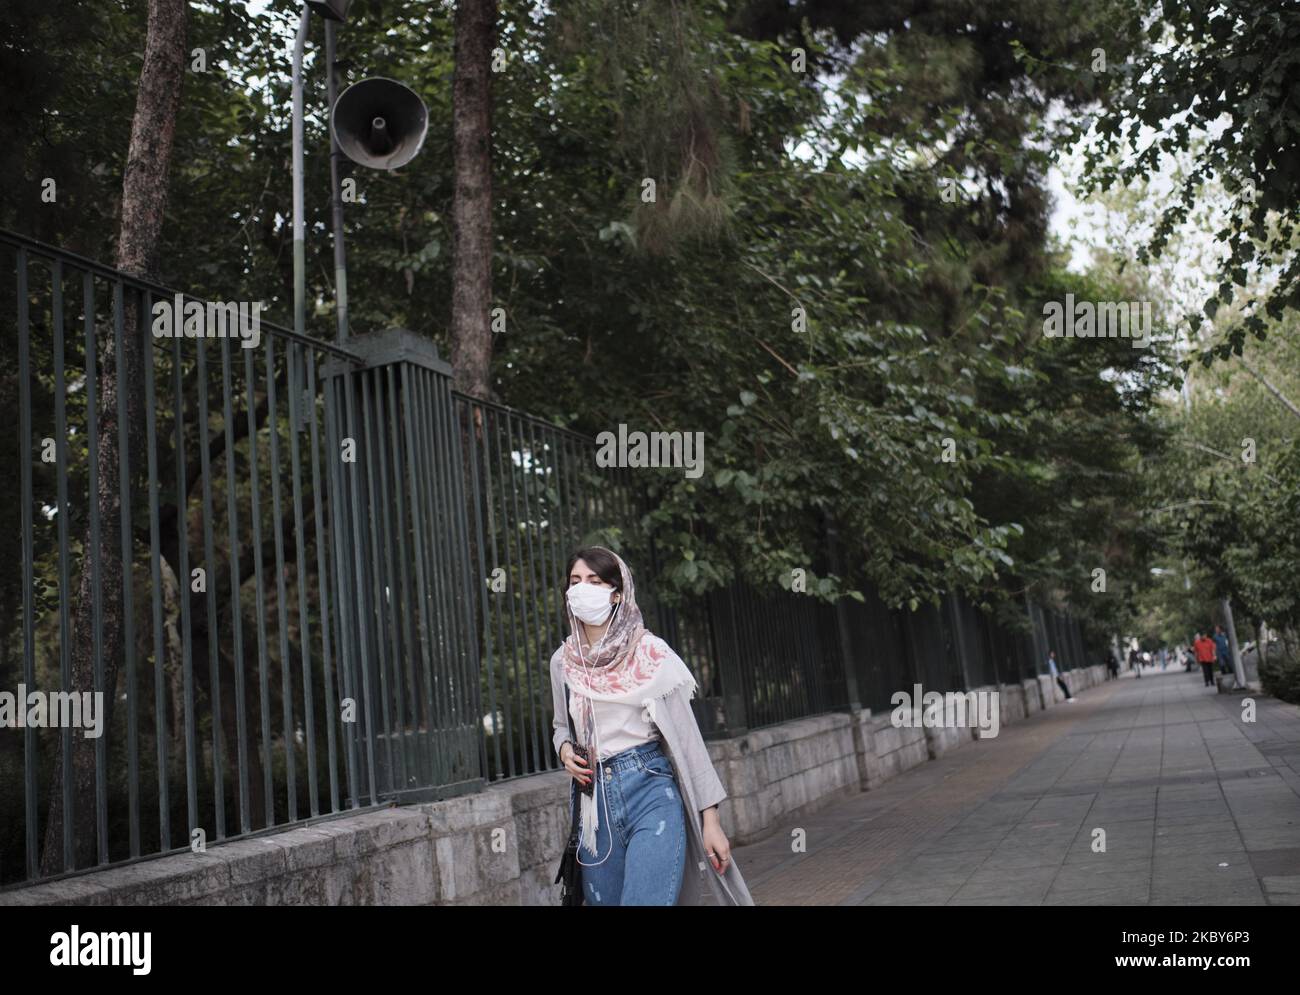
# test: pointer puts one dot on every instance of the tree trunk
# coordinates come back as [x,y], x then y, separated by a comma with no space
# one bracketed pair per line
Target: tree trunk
[256,815]
[144,195]
[174,668]
[471,205]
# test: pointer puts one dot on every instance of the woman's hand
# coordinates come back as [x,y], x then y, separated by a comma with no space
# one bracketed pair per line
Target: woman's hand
[715,841]
[574,764]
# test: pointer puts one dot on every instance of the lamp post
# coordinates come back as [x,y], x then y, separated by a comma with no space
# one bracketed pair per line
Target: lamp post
[382,126]
[299,247]
[336,194]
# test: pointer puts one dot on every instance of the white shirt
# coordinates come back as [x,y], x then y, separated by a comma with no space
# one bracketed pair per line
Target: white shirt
[618,727]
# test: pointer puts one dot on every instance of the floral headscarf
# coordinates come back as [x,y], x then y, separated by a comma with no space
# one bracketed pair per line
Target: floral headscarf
[614,651]
[629,664]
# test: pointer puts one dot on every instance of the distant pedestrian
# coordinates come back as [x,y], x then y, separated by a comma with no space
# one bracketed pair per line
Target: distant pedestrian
[1051,666]
[1112,664]
[1206,652]
[1222,650]
[1135,661]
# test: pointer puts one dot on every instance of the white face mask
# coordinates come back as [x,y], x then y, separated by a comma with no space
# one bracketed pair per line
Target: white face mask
[590,602]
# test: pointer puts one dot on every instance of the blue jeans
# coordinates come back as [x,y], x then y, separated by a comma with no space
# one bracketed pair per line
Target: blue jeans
[642,831]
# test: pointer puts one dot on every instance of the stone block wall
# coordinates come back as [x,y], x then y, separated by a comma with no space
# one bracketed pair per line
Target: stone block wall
[502,845]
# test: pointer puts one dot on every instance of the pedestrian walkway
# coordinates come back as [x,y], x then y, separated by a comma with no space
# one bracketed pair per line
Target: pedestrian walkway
[1197,808]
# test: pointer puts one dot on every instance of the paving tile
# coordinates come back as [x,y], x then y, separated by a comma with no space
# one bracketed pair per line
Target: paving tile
[1289,885]
[1121,895]
[1276,863]
[1194,814]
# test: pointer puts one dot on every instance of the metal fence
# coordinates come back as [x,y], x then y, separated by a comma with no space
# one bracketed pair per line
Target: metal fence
[310,580]
[536,496]
[784,655]
[779,655]
[185,514]
[406,585]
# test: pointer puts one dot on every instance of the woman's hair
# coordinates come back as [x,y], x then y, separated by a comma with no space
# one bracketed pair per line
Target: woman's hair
[602,563]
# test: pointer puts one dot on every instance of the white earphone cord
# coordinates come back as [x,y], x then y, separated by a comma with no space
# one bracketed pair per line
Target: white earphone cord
[595,742]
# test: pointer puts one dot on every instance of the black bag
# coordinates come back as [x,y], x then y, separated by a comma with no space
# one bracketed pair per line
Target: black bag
[569,876]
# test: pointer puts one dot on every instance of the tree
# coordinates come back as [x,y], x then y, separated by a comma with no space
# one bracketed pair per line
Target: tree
[471,206]
[144,196]
[1219,81]
[799,289]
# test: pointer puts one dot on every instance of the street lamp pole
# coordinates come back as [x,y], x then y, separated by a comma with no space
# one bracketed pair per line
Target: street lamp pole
[299,246]
[336,198]
[331,12]
[383,128]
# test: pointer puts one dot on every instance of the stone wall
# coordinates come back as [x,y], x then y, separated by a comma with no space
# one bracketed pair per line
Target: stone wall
[502,845]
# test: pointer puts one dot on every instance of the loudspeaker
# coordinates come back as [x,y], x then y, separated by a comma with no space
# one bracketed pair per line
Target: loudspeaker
[379,123]
[333,10]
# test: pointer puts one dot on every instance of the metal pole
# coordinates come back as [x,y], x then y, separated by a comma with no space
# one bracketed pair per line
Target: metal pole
[1036,637]
[958,639]
[336,198]
[299,250]
[848,655]
[1232,644]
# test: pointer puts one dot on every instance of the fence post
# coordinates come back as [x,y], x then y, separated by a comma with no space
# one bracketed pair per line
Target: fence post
[734,713]
[403,555]
[959,634]
[1036,626]
[848,656]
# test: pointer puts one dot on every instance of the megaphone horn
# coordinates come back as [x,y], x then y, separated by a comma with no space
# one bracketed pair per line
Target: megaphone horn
[379,123]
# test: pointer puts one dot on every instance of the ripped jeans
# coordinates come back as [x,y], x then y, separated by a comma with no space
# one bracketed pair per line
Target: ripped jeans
[641,833]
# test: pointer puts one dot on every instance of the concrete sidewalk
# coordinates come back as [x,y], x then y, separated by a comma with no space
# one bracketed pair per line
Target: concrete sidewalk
[1197,808]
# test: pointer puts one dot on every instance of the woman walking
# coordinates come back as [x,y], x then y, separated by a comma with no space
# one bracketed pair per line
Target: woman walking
[649,795]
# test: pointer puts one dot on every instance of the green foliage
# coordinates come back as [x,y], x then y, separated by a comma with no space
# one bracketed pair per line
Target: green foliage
[799,290]
[1279,675]
[1225,494]
[1226,68]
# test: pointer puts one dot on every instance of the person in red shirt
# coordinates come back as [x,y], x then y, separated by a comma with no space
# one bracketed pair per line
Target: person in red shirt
[1206,653]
